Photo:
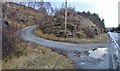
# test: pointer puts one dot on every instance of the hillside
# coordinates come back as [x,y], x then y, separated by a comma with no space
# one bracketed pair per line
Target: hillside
[95,19]
[14,18]
[18,15]
[36,39]
[77,25]
[18,54]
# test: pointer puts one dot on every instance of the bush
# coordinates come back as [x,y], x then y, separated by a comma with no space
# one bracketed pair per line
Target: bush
[9,41]
[89,33]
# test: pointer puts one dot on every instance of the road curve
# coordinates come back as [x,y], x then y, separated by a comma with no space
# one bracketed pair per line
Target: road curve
[85,61]
[27,35]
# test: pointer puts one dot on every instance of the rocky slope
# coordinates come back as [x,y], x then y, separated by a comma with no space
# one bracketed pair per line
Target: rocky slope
[77,25]
[18,54]
[18,15]
[95,19]
[15,17]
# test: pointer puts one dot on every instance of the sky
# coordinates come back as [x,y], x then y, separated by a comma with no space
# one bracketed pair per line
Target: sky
[106,9]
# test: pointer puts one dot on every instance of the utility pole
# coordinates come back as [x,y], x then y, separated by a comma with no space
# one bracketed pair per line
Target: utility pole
[66,18]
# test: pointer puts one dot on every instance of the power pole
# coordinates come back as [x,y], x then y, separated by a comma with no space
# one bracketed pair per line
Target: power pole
[66,18]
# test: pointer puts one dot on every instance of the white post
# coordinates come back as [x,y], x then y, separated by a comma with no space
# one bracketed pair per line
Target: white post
[100,36]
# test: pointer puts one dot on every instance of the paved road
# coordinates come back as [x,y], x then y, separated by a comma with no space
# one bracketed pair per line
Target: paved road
[115,37]
[85,56]
[115,50]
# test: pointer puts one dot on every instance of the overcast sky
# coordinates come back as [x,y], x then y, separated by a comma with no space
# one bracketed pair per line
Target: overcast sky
[107,9]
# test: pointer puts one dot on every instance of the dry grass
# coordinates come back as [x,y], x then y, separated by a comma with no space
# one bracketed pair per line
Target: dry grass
[33,56]
[104,38]
[37,57]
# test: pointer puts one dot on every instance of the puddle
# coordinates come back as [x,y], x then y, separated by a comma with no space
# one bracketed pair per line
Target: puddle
[96,52]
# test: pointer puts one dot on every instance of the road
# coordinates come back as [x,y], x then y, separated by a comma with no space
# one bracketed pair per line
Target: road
[115,37]
[115,50]
[84,56]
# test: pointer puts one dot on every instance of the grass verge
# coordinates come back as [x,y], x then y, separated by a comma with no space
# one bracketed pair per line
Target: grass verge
[104,38]
[37,57]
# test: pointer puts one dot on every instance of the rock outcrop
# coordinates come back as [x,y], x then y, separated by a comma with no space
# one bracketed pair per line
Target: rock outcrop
[77,25]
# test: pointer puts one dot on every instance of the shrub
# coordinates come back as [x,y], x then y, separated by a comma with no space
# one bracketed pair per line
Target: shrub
[9,41]
[89,33]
